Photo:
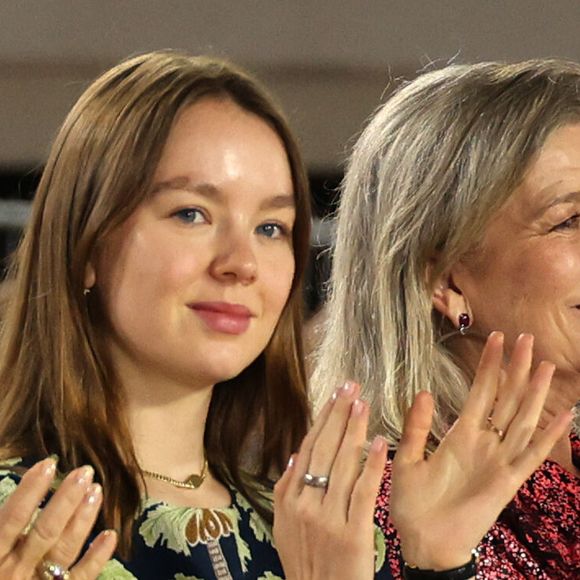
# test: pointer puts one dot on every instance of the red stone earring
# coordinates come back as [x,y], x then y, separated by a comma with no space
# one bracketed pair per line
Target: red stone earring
[464,323]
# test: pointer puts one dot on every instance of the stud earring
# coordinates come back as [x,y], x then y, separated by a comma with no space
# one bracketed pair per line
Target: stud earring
[464,323]
[86,291]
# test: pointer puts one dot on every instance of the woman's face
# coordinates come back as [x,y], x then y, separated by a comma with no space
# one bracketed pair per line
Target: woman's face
[526,277]
[194,282]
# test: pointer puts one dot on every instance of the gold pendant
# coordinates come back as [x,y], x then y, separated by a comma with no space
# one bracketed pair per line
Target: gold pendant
[195,480]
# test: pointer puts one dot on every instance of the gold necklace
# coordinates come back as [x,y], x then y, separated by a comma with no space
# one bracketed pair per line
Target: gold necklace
[191,482]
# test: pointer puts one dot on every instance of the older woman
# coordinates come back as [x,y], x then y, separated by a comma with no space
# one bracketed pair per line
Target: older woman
[460,215]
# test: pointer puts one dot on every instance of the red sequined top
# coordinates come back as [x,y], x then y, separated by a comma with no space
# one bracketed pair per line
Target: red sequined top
[536,536]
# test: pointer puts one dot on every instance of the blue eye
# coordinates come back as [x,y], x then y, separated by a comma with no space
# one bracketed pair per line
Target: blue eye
[272,230]
[571,222]
[190,215]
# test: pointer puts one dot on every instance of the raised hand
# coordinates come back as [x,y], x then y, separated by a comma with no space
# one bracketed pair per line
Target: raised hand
[327,531]
[60,530]
[442,505]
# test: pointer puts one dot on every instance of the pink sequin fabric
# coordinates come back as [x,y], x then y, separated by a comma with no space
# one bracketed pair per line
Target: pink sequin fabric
[537,536]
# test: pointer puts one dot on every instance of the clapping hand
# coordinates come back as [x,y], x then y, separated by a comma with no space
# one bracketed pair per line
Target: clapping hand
[442,505]
[53,542]
[324,502]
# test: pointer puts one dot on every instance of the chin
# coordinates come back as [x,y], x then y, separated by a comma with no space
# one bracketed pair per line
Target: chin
[225,372]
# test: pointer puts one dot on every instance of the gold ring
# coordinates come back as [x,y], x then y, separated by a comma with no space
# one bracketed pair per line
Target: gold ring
[492,427]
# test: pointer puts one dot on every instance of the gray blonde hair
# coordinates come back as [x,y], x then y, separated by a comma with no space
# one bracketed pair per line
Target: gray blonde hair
[428,172]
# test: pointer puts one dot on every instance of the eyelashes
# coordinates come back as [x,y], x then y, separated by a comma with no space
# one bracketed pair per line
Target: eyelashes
[570,223]
[193,215]
[273,230]
[190,215]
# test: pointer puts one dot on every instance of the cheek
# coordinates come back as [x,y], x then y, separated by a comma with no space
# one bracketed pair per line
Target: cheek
[545,275]
[278,276]
[140,272]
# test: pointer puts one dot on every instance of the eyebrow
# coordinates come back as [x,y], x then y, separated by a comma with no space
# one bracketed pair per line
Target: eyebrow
[277,201]
[564,198]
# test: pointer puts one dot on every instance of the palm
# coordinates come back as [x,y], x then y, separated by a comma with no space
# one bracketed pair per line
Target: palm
[443,505]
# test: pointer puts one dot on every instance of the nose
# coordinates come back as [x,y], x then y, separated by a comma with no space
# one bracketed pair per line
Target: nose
[235,260]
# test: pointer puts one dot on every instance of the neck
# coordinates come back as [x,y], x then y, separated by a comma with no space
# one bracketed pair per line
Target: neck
[167,418]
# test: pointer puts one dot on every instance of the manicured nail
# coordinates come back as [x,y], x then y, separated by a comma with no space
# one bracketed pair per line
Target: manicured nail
[48,467]
[378,444]
[94,493]
[357,408]
[333,396]
[84,475]
[104,538]
[347,389]
[290,462]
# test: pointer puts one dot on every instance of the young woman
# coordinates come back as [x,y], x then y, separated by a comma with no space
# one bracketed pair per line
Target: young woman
[152,342]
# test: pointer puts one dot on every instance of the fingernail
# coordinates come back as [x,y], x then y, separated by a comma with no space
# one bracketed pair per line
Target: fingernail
[333,396]
[347,389]
[357,408]
[48,467]
[104,537]
[84,475]
[290,462]
[94,493]
[378,444]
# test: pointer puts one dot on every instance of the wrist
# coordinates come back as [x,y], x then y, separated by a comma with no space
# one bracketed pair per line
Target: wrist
[440,558]
[464,571]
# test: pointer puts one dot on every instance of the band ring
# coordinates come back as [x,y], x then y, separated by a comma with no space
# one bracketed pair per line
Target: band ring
[320,481]
[495,429]
[53,571]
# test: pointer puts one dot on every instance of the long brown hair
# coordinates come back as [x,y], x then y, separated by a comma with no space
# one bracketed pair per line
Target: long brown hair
[59,393]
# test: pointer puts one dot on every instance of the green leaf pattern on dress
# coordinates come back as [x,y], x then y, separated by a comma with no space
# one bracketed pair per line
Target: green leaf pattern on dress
[380,549]
[167,525]
[9,463]
[7,487]
[261,529]
[114,570]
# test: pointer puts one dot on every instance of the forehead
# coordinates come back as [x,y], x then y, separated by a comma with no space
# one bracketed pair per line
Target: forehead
[215,141]
[553,176]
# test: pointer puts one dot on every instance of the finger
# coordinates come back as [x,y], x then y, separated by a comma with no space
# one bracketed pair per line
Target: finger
[515,384]
[54,517]
[302,458]
[482,395]
[330,438]
[95,558]
[75,534]
[347,465]
[316,440]
[366,489]
[416,430]
[526,420]
[535,454]
[19,508]
[282,485]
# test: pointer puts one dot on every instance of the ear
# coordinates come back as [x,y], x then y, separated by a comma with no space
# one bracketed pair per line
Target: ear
[449,301]
[90,276]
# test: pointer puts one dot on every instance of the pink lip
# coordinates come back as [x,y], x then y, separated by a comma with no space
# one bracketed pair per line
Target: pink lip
[223,316]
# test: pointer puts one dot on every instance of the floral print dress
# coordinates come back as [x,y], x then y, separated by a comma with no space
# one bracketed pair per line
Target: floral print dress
[185,543]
